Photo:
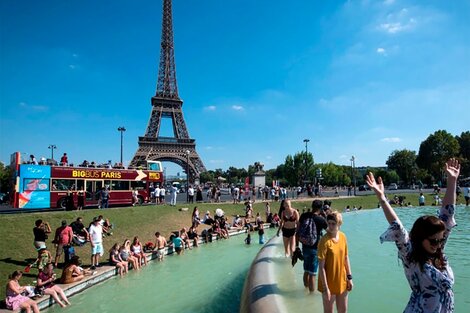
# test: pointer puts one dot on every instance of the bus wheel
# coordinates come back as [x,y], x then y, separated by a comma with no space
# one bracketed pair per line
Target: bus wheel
[140,200]
[62,203]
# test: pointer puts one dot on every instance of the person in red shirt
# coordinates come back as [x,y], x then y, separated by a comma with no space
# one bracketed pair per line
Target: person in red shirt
[64,161]
[63,239]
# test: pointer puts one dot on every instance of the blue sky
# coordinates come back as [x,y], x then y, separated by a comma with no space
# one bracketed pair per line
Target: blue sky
[357,78]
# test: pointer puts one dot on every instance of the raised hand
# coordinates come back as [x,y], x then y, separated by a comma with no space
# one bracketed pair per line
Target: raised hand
[376,185]
[452,168]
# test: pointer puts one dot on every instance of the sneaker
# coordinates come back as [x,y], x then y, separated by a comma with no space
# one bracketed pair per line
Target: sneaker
[93,273]
[98,265]
[92,268]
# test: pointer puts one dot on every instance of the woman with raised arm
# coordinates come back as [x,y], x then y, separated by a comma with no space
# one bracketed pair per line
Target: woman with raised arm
[426,268]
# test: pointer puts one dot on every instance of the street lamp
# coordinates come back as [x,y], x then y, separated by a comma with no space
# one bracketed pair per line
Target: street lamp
[121,129]
[353,159]
[187,175]
[305,159]
[52,147]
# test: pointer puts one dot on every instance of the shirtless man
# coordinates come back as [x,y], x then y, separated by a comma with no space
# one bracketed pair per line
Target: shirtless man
[160,244]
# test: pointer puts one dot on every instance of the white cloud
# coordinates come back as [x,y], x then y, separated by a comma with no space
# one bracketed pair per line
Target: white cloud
[237,107]
[210,108]
[398,22]
[268,157]
[381,51]
[391,139]
[75,55]
[389,2]
[26,106]
[209,148]
[72,67]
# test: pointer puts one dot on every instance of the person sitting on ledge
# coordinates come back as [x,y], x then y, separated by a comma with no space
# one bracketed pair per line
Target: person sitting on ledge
[138,251]
[14,299]
[45,284]
[73,272]
[208,220]
[192,235]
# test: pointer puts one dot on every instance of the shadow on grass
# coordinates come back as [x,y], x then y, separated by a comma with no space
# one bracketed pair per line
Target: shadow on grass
[17,262]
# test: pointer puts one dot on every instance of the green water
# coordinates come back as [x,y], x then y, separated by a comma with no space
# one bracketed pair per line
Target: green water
[379,281]
[210,278]
[205,279]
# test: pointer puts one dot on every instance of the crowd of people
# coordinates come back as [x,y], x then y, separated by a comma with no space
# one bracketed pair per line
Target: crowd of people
[421,251]
[125,256]
[324,249]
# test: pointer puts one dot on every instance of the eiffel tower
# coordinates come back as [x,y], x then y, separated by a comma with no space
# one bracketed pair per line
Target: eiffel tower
[166,103]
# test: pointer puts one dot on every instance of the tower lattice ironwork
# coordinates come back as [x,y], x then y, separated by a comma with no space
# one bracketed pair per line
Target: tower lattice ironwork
[180,148]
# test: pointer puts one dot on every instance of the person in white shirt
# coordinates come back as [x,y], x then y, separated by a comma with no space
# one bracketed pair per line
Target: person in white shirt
[466,194]
[191,194]
[162,195]
[421,199]
[157,194]
[173,193]
[96,240]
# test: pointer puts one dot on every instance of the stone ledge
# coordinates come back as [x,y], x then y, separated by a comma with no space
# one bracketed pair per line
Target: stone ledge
[260,291]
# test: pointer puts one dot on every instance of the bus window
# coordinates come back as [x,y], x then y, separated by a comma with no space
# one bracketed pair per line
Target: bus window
[119,185]
[154,166]
[139,185]
[98,187]
[80,184]
[63,184]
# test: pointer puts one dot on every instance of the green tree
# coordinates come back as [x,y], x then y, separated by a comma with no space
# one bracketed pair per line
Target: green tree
[5,178]
[403,162]
[464,143]
[295,167]
[207,176]
[435,151]
[332,174]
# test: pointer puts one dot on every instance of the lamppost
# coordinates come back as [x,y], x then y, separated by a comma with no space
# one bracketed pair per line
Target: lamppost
[52,147]
[305,159]
[353,159]
[121,129]
[187,175]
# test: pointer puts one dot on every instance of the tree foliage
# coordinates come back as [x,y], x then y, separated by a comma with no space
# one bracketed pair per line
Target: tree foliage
[403,162]
[435,151]
[464,143]
[403,165]
[5,178]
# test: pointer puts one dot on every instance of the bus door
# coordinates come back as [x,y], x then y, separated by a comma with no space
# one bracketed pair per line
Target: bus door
[93,188]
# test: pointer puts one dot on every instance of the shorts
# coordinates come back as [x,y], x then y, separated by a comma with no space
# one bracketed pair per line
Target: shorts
[160,253]
[97,249]
[310,260]
[288,232]
[60,249]
[40,245]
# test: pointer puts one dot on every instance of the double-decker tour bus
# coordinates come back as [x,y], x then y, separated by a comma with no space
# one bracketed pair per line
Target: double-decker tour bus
[47,186]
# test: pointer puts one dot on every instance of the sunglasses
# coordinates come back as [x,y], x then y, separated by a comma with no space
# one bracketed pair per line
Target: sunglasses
[435,242]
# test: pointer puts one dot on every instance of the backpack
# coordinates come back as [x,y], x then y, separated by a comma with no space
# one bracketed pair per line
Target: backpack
[308,231]
[69,252]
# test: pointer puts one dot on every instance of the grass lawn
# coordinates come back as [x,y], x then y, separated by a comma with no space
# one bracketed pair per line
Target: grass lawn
[17,250]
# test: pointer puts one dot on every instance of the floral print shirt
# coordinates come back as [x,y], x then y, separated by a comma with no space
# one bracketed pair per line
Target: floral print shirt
[431,287]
